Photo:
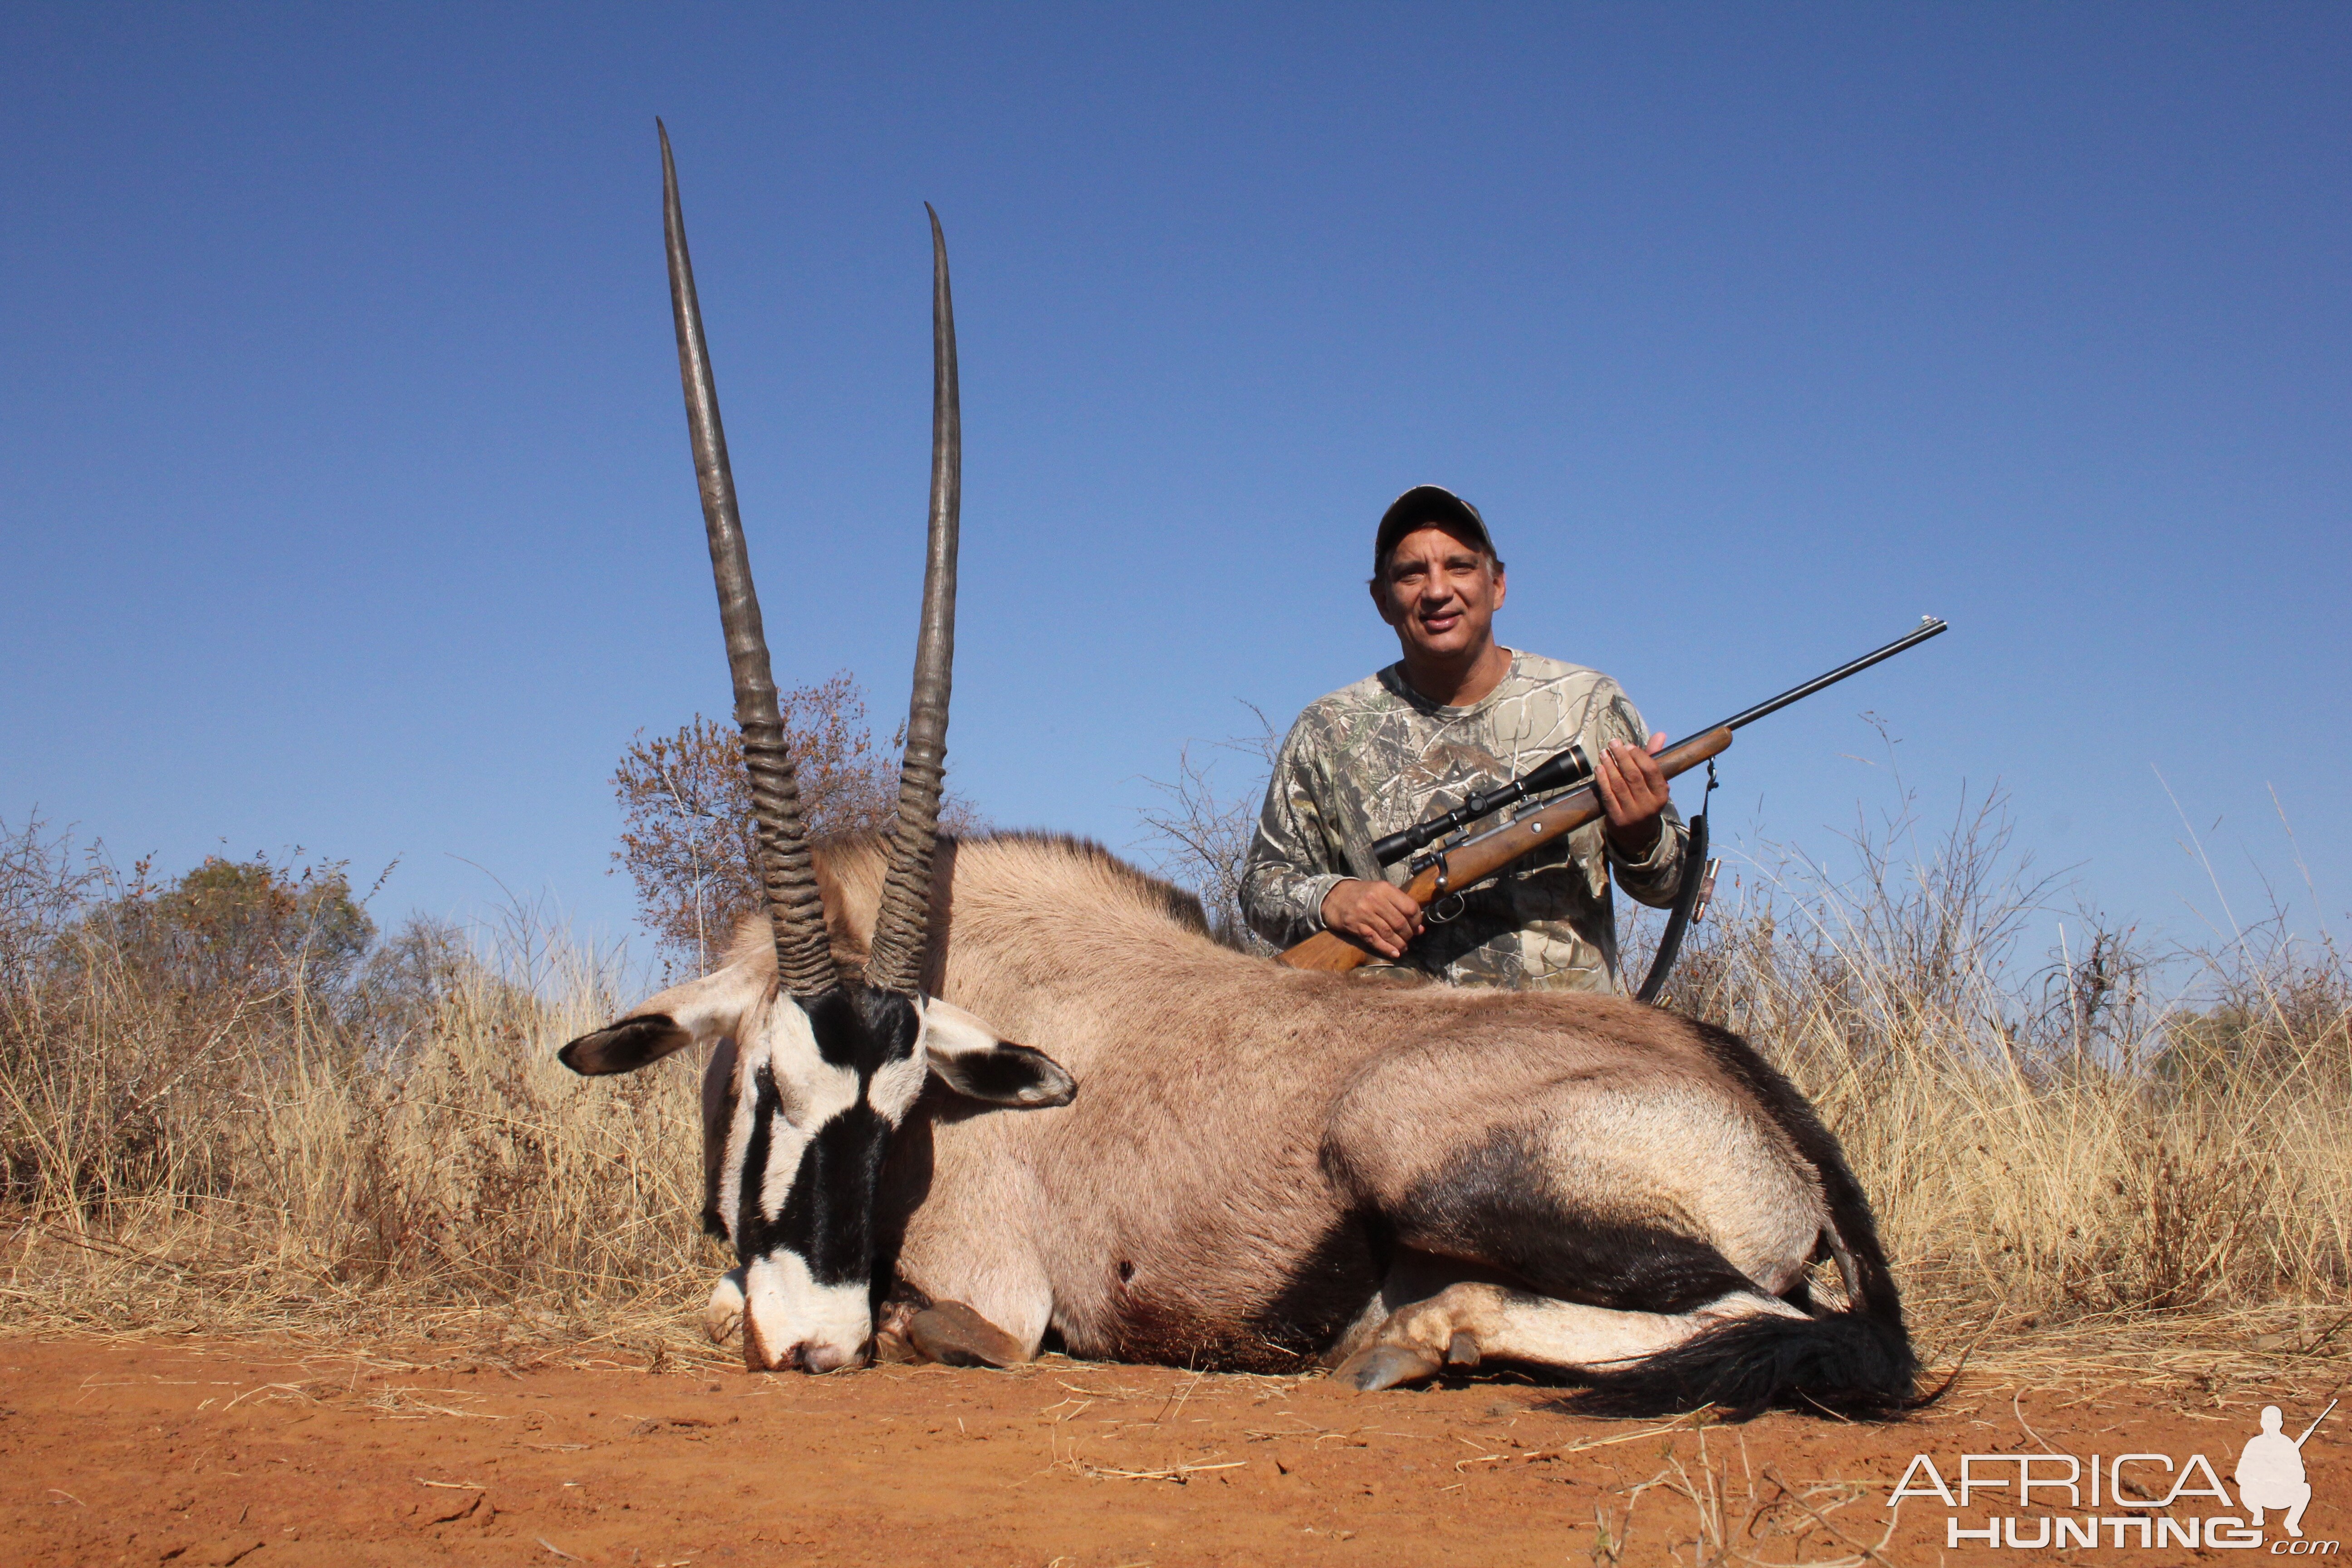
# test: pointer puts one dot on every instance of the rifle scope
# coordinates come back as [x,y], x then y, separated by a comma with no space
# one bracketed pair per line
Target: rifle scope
[1564,770]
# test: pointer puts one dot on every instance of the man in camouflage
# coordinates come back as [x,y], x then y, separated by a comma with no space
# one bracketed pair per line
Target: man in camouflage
[1459,713]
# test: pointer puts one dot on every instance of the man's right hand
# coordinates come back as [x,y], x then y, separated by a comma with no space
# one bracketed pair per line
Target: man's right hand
[1377,914]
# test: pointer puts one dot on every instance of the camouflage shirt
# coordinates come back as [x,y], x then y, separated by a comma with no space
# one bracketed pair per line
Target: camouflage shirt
[1377,757]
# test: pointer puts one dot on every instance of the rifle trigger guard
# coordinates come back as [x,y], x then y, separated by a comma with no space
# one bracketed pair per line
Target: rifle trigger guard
[1438,913]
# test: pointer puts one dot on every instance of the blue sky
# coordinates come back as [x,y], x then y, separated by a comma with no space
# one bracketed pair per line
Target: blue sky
[346,503]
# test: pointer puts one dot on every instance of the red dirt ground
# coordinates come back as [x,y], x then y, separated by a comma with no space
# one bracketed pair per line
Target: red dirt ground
[194,1452]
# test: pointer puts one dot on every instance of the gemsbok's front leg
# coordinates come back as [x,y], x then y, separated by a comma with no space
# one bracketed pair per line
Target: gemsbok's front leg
[722,1315]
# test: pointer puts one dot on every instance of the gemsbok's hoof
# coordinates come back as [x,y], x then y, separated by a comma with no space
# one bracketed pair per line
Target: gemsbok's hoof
[724,1314]
[952,1333]
[1384,1366]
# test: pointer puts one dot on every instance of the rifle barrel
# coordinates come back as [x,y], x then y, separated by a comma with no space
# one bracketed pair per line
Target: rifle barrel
[1928,626]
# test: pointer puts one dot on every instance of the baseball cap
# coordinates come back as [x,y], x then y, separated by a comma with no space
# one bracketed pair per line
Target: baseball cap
[1424,506]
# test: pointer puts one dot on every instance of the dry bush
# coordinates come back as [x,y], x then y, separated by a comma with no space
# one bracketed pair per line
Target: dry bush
[687,837]
[1201,835]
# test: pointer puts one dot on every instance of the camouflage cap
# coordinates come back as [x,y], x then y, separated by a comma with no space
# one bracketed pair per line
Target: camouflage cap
[1426,506]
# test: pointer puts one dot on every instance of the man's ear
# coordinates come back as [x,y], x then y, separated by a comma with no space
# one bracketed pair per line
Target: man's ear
[971,1059]
[1381,602]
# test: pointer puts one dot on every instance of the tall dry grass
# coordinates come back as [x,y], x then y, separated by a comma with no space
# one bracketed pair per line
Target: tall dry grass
[373,1147]
[2114,1130]
[284,1146]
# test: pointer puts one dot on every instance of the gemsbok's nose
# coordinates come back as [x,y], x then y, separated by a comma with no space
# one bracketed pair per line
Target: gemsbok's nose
[806,1356]
[827,1358]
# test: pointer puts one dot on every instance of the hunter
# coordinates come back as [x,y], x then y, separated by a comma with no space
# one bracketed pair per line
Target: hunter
[1459,713]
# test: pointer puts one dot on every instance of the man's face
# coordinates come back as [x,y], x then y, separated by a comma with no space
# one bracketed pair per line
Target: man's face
[1440,593]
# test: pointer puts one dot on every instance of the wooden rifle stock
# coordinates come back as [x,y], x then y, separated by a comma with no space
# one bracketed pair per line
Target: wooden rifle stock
[1475,859]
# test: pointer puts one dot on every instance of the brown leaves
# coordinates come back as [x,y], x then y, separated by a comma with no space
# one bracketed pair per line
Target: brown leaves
[686,811]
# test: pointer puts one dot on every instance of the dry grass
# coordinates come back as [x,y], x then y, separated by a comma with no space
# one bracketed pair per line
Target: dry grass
[297,1146]
[273,1150]
[2052,1145]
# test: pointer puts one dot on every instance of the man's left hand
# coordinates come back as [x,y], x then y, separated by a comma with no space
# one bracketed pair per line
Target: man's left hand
[1633,792]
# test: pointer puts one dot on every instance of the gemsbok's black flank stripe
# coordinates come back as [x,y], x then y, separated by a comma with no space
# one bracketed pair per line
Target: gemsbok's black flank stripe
[1496,1202]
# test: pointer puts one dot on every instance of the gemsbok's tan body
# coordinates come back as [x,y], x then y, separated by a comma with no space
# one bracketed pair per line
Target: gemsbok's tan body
[1265,1167]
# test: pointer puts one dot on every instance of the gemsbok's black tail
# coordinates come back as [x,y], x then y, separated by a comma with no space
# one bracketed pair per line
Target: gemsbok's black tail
[1856,1361]
[1846,1362]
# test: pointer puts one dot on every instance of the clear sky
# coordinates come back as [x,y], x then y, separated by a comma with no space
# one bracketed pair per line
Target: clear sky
[346,503]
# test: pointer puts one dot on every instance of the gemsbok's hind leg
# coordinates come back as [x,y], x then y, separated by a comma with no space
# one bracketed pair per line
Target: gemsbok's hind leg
[1471,1321]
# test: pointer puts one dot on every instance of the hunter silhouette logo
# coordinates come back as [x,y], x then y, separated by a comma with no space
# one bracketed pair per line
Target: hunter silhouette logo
[2270,1471]
[2134,1501]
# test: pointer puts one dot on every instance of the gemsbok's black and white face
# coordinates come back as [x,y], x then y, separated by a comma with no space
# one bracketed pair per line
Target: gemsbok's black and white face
[829,1058]
[817,1089]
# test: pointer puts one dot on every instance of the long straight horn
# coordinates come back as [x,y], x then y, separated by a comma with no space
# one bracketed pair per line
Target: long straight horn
[803,959]
[903,922]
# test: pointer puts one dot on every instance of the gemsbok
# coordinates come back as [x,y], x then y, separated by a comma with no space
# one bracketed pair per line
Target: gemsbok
[1223,1162]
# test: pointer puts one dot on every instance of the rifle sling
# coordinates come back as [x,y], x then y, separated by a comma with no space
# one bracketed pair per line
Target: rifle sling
[1670,940]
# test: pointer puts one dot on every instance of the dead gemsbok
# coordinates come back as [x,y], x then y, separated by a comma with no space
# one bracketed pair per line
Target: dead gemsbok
[1224,1162]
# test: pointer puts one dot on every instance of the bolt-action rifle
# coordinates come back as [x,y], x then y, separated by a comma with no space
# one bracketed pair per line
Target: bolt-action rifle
[1449,859]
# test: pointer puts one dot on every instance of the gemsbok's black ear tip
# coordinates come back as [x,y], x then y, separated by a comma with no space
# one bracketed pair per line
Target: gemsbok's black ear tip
[1019,1077]
[624,1047]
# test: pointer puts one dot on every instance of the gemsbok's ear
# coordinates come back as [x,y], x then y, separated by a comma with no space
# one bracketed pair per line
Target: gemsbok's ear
[971,1059]
[624,1047]
[695,1014]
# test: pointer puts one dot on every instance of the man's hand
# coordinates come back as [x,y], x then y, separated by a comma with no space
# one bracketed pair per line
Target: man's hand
[1633,792]
[1375,913]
